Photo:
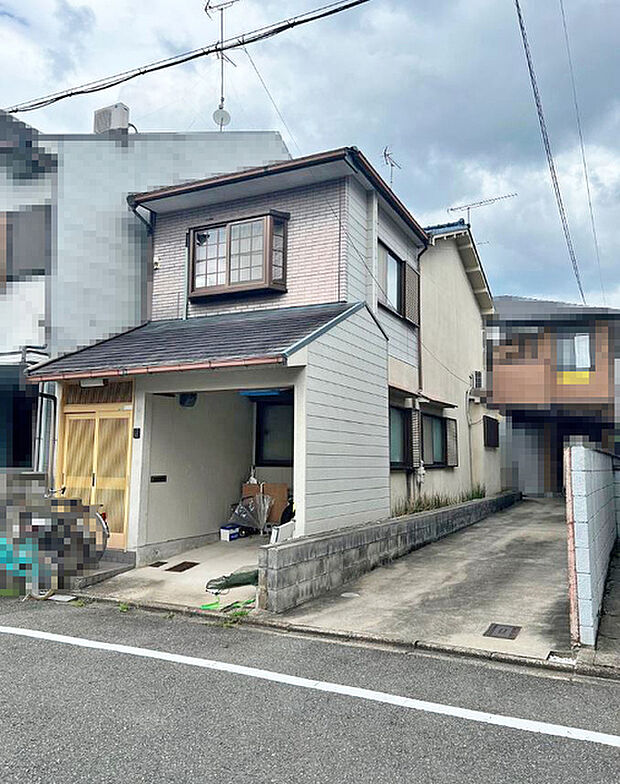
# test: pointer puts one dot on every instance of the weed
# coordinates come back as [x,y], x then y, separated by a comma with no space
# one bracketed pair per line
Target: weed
[78,603]
[122,607]
[425,503]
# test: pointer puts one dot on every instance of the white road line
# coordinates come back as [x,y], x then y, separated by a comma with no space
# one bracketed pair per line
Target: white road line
[526,725]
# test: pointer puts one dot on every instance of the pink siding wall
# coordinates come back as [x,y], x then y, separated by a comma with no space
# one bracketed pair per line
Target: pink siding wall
[316,251]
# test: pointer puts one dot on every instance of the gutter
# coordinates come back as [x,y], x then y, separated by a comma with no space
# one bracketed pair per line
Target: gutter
[151,369]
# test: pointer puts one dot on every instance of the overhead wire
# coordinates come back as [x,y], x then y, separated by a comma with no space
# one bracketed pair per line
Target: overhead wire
[583,149]
[342,227]
[235,42]
[547,145]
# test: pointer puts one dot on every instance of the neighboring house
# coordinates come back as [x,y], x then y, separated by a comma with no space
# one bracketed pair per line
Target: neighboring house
[459,436]
[73,257]
[551,373]
[284,322]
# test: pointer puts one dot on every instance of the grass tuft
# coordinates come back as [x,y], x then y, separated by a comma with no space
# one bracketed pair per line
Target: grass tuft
[425,503]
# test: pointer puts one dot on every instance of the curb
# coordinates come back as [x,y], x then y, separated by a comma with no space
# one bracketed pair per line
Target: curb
[261,619]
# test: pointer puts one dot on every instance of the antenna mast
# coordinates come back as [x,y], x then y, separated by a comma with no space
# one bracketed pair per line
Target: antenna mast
[220,116]
[388,159]
[475,204]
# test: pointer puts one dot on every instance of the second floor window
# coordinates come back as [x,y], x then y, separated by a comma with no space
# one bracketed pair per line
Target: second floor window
[399,285]
[574,351]
[239,256]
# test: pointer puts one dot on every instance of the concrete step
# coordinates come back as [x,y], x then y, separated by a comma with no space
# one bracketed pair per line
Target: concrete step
[104,571]
[119,556]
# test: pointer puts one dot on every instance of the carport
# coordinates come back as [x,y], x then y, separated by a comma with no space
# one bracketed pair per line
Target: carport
[509,569]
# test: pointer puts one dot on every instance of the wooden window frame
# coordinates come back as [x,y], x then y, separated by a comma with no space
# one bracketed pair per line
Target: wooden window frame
[267,281]
[407,464]
[444,433]
[258,452]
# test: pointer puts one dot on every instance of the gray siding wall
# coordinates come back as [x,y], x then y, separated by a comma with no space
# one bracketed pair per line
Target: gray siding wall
[315,251]
[403,343]
[347,449]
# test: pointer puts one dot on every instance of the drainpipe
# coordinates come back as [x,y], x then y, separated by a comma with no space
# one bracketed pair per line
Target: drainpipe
[49,469]
[145,310]
[186,278]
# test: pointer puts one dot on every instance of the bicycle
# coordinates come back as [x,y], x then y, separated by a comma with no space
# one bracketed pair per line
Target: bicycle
[45,540]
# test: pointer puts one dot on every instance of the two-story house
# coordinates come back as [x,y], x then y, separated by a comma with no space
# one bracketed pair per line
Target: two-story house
[283,335]
[551,373]
[459,436]
[73,266]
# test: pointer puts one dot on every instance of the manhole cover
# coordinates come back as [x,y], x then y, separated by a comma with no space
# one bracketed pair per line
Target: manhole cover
[156,564]
[502,630]
[183,566]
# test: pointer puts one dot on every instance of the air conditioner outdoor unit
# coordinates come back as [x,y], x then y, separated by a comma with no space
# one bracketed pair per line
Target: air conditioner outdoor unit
[111,118]
[476,379]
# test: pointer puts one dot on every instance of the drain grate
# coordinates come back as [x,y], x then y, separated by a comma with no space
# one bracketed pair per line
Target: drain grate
[183,566]
[502,630]
[158,563]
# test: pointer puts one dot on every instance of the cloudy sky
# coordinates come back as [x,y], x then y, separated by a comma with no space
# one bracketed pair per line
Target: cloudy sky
[443,82]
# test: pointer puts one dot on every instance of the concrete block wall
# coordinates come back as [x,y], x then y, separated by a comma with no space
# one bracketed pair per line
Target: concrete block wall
[296,571]
[591,516]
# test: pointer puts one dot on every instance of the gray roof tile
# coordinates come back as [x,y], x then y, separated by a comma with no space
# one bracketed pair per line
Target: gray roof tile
[234,336]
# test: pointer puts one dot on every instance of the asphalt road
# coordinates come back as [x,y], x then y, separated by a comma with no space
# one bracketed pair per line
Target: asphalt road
[75,714]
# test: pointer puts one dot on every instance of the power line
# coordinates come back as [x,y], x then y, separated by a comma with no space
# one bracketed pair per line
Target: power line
[549,154]
[342,227]
[583,149]
[237,42]
[271,98]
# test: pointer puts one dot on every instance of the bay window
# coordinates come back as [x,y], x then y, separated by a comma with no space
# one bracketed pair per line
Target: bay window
[242,255]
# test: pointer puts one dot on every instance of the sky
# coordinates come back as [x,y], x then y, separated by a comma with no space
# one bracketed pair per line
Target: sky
[444,83]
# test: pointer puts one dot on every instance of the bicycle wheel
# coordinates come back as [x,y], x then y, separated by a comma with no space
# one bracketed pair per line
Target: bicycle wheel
[103,534]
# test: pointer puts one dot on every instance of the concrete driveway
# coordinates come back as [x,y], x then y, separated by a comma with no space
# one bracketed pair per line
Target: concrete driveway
[510,568]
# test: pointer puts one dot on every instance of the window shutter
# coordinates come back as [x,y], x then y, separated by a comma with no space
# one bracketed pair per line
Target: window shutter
[416,440]
[491,431]
[412,294]
[452,444]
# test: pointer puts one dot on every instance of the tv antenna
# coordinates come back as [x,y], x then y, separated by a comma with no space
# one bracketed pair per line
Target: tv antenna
[220,116]
[475,204]
[388,159]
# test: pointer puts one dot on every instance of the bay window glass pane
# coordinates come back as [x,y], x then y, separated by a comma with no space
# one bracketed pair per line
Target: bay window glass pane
[246,251]
[398,420]
[210,257]
[277,258]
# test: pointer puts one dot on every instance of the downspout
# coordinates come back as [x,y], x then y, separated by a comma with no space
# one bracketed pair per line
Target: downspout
[186,278]
[420,254]
[52,456]
[145,311]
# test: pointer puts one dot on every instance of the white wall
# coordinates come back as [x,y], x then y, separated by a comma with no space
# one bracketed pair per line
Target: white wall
[346,430]
[206,453]
[224,380]
[591,510]
[452,347]
[22,314]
